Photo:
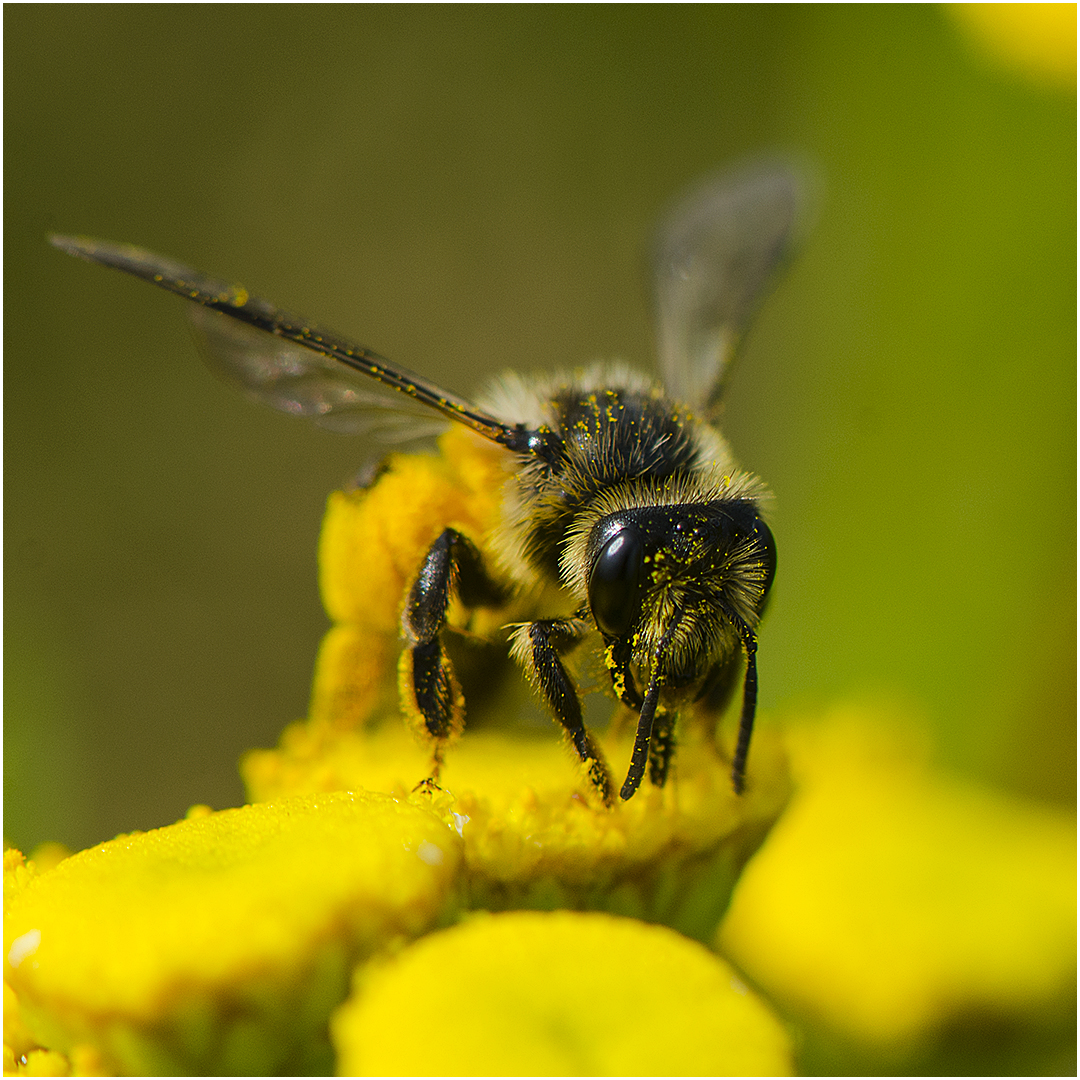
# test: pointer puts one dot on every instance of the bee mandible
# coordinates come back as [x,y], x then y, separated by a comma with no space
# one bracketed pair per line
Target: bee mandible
[621,490]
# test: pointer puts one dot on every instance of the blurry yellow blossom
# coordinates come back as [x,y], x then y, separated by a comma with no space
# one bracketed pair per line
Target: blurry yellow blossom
[42,1063]
[891,901]
[1038,41]
[220,943]
[562,993]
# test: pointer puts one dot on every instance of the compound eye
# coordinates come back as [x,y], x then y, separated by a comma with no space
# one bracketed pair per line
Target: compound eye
[615,582]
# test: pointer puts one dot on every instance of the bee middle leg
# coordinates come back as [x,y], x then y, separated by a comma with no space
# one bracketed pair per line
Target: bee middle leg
[536,647]
[430,693]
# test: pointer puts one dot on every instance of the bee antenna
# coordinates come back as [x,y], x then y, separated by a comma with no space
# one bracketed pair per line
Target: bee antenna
[749,706]
[640,756]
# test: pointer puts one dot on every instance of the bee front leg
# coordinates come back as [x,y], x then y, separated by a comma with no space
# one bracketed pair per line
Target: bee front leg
[617,660]
[661,743]
[536,646]
[430,693]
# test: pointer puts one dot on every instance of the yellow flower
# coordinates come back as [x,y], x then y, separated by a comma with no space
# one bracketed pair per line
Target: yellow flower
[223,942]
[892,903]
[559,994]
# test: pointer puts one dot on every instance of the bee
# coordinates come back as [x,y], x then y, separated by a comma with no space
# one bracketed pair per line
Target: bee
[621,491]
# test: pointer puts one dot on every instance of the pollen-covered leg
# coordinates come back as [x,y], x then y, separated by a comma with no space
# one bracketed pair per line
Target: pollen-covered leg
[639,757]
[430,694]
[429,687]
[651,712]
[617,659]
[536,647]
[746,720]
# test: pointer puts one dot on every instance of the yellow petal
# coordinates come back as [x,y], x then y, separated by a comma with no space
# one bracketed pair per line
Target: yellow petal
[558,994]
[222,942]
[351,675]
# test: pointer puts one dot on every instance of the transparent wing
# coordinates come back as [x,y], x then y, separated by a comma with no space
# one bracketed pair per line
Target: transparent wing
[288,362]
[715,253]
[295,380]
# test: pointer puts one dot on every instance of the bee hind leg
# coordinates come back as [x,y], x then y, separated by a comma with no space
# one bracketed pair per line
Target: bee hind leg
[536,647]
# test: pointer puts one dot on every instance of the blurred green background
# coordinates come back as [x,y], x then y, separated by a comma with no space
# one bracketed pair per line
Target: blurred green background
[466,189]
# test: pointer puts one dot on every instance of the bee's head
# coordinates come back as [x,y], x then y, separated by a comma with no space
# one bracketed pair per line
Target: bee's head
[679,585]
